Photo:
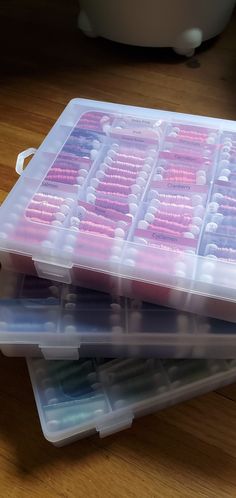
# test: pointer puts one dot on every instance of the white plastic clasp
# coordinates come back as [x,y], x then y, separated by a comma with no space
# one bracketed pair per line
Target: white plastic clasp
[114,424]
[21,159]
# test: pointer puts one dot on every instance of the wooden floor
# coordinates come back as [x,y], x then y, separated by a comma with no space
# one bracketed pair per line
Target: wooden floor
[185,451]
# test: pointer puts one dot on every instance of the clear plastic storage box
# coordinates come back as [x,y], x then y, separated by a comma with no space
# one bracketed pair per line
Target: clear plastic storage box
[59,321]
[134,201]
[77,399]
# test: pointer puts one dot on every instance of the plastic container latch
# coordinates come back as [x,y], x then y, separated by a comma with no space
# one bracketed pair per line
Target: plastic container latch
[21,158]
[115,424]
[60,352]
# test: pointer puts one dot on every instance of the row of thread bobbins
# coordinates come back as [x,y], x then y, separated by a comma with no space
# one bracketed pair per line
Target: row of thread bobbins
[144,316]
[222,209]
[44,209]
[130,380]
[194,135]
[220,237]
[181,161]
[52,209]
[226,251]
[75,159]
[216,250]
[184,371]
[69,169]
[222,213]
[121,178]
[178,172]
[108,312]
[227,160]
[95,121]
[185,152]
[37,288]
[71,393]
[110,234]
[176,215]
[200,158]
[83,143]
[162,258]
[38,318]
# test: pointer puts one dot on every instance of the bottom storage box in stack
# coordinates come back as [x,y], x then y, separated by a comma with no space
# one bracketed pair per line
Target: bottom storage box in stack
[78,398]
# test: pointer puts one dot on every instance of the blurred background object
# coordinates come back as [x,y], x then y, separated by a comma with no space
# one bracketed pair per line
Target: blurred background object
[180,24]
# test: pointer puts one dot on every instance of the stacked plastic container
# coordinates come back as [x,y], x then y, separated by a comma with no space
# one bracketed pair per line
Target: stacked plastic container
[118,241]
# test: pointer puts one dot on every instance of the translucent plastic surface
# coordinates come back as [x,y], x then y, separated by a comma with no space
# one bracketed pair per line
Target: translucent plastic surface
[60,321]
[76,399]
[133,201]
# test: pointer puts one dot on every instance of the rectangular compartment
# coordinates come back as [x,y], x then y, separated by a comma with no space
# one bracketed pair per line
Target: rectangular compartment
[77,399]
[43,318]
[123,199]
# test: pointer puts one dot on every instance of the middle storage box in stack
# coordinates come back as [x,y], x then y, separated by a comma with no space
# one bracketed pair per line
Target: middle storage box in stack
[59,321]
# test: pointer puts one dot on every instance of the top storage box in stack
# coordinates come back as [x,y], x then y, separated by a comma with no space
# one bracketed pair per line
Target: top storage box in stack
[131,201]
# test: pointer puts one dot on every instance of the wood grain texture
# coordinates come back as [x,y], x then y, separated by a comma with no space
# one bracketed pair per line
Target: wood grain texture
[188,451]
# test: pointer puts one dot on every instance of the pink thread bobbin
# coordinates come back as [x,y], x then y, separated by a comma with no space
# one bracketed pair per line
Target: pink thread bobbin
[134,151]
[181,171]
[101,229]
[110,195]
[44,215]
[68,171]
[180,179]
[126,173]
[128,158]
[162,216]
[62,178]
[157,198]
[172,208]
[127,166]
[54,199]
[172,228]
[79,180]
[28,230]
[169,222]
[83,239]
[43,206]
[115,187]
[121,180]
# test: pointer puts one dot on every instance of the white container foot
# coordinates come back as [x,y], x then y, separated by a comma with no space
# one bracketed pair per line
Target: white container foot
[85,26]
[187,41]
[185,52]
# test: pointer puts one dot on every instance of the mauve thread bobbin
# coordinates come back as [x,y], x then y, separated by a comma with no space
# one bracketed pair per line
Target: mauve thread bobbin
[88,215]
[123,207]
